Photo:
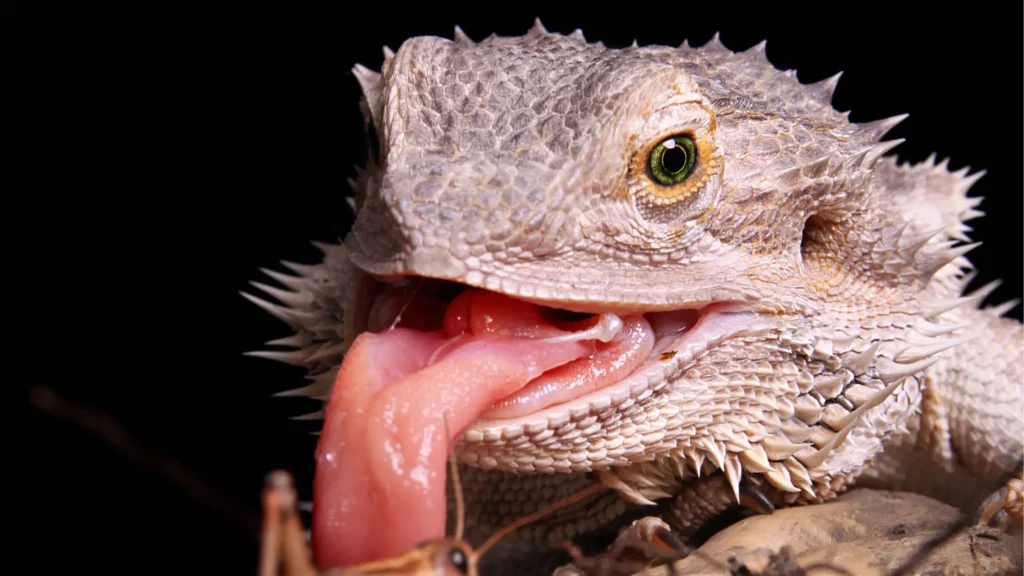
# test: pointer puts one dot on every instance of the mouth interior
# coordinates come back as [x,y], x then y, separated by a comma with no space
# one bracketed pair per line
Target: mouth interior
[432,358]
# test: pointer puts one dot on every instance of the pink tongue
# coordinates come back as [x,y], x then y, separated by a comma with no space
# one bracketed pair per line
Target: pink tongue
[380,474]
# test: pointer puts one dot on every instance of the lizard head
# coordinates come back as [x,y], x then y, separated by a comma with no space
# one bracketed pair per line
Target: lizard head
[781,271]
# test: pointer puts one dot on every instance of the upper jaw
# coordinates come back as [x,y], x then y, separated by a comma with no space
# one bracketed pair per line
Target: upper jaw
[588,286]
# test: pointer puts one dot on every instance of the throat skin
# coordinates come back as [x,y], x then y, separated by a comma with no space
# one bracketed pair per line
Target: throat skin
[865,363]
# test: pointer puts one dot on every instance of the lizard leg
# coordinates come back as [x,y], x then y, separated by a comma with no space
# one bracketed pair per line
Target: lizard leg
[646,542]
[1004,507]
[702,500]
[649,541]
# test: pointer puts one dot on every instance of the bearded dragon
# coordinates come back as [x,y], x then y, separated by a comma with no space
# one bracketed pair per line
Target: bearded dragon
[676,271]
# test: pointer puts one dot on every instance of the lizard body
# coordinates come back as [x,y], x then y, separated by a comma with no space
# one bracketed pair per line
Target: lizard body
[845,350]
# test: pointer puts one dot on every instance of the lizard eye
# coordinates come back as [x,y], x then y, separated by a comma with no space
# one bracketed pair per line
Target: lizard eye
[673,160]
[674,177]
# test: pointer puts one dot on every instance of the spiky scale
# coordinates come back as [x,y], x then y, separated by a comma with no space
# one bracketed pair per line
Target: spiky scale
[1002,309]
[294,318]
[877,129]
[913,354]
[734,473]
[294,282]
[462,38]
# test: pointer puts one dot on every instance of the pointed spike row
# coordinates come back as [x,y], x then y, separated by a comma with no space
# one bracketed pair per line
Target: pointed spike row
[968,181]
[734,472]
[910,245]
[696,460]
[577,34]
[309,390]
[318,415]
[756,460]
[797,432]
[778,448]
[933,309]
[388,52]
[328,351]
[916,353]
[351,202]
[625,491]
[981,293]
[975,201]
[859,363]
[879,128]
[892,373]
[714,451]
[1001,309]
[801,479]
[538,27]
[880,150]
[959,232]
[297,340]
[323,247]
[296,283]
[634,44]
[293,357]
[462,38]
[304,270]
[827,86]
[950,254]
[293,318]
[779,477]
[368,79]
[932,330]
[845,423]
[971,214]
[290,299]
[655,493]
[678,461]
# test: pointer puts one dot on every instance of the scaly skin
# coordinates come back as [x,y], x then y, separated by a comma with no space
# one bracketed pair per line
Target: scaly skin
[519,165]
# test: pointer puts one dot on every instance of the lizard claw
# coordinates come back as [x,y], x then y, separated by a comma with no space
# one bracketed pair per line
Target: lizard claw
[1003,506]
[644,543]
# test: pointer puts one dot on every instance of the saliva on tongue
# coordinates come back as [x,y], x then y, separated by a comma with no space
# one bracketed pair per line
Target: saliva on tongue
[401,398]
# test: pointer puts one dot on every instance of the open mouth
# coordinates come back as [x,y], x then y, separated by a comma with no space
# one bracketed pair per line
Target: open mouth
[433,359]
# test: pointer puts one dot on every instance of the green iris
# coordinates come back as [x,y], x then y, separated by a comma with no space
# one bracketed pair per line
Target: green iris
[672,161]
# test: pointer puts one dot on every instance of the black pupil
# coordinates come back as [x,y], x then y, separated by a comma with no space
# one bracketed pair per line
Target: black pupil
[674,159]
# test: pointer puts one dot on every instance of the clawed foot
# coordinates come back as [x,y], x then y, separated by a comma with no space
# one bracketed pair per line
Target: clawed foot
[644,543]
[1004,508]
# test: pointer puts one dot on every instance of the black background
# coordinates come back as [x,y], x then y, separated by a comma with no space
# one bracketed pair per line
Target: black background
[172,151]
